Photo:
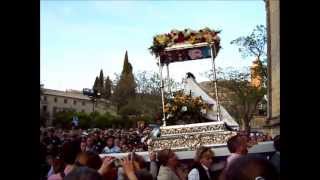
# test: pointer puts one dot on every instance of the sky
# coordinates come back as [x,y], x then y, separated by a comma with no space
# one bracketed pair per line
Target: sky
[78,38]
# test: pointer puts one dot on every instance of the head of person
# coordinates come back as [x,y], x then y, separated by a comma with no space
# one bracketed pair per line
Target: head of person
[90,141]
[101,135]
[58,164]
[251,168]
[238,144]
[89,159]
[204,156]
[83,173]
[167,157]
[124,148]
[83,146]
[110,141]
[50,132]
[276,143]
[117,142]
[69,151]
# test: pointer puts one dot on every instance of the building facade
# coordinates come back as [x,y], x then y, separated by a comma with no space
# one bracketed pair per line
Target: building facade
[273,25]
[53,101]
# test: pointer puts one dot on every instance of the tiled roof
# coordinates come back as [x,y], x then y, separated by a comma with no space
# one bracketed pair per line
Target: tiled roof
[73,94]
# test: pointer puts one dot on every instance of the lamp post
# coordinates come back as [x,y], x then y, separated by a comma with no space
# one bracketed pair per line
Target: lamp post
[93,95]
[94,100]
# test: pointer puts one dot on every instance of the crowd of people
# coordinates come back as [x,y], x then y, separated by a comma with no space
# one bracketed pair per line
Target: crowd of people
[74,154]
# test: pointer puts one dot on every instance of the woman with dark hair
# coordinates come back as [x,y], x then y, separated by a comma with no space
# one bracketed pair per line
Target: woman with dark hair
[169,166]
[58,169]
[70,151]
[275,159]
[83,173]
[250,168]
[203,161]
[89,159]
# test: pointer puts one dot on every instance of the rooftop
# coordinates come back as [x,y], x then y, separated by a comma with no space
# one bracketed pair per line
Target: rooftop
[71,94]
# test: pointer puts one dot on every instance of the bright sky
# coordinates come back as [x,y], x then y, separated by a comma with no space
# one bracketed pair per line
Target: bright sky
[78,38]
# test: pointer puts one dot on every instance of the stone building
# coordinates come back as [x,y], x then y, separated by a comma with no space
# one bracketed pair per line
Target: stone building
[53,101]
[273,29]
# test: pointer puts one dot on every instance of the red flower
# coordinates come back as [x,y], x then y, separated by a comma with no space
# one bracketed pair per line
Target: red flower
[180,37]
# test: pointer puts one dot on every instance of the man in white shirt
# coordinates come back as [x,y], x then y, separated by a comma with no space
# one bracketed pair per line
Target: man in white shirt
[203,161]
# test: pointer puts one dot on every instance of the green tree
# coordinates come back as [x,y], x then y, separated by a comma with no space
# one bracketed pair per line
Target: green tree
[96,84]
[84,120]
[101,83]
[63,119]
[255,45]
[148,83]
[126,86]
[133,107]
[107,88]
[242,97]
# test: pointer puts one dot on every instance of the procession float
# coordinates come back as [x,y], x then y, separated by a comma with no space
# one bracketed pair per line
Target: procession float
[186,45]
[179,46]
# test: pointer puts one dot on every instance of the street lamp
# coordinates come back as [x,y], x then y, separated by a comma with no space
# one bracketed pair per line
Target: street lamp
[93,95]
[94,100]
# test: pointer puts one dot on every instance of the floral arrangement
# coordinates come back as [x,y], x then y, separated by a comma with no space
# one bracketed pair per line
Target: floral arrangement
[184,107]
[187,36]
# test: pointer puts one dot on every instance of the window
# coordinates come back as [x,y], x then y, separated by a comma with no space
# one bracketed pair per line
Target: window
[83,103]
[65,101]
[55,99]
[74,102]
[55,110]
[44,108]
[45,98]
[82,110]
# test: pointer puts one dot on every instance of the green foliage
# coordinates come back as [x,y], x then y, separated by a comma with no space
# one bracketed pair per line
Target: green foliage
[243,97]
[101,80]
[146,118]
[130,109]
[126,86]
[84,120]
[253,44]
[96,84]
[92,120]
[107,88]
[63,119]
[147,83]
[104,120]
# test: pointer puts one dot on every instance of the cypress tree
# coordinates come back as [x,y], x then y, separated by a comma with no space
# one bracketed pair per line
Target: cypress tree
[101,82]
[126,86]
[107,88]
[96,84]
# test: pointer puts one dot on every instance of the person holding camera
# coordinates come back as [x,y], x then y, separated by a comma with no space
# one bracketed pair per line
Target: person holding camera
[139,168]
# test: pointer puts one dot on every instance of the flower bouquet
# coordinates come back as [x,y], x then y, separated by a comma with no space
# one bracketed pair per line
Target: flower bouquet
[183,106]
[187,36]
